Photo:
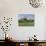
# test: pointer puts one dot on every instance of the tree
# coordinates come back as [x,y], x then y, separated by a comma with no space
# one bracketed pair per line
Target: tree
[6,25]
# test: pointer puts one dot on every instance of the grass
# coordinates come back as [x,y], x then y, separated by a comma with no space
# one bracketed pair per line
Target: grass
[25,22]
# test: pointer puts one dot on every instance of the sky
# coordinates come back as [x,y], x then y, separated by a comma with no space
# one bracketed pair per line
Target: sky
[28,16]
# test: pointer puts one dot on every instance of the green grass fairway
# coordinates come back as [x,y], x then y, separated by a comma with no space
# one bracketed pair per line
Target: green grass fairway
[26,22]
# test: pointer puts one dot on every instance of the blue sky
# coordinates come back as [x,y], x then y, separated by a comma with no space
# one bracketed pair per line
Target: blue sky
[29,16]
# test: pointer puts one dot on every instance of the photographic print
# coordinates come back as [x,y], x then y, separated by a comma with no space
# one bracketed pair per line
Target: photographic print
[26,19]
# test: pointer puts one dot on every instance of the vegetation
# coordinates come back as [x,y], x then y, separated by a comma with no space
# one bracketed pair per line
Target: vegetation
[26,22]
